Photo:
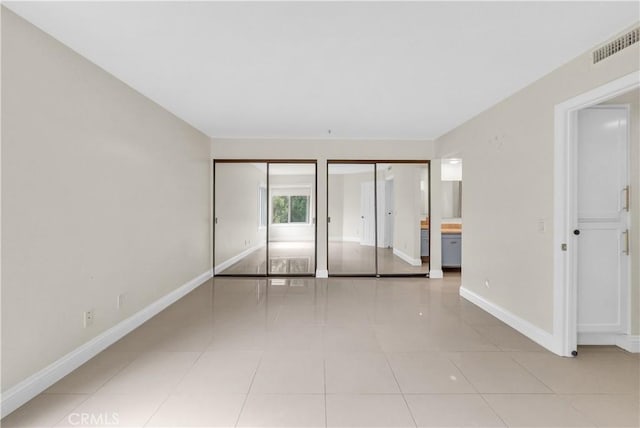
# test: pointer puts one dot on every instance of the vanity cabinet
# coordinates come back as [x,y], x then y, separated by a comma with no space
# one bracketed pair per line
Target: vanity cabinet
[452,250]
[424,242]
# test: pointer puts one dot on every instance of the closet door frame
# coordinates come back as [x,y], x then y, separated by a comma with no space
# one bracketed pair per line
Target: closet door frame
[267,162]
[375,163]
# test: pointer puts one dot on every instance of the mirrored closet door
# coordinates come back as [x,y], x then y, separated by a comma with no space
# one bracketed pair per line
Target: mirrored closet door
[264,218]
[378,218]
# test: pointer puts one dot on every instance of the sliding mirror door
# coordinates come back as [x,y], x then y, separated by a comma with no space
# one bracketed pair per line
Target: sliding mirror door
[403,218]
[240,218]
[351,218]
[292,229]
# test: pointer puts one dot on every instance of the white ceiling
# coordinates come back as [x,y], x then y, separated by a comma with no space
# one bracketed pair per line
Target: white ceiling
[384,70]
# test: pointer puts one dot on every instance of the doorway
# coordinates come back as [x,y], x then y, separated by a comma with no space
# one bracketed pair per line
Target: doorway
[602,228]
[264,217]
[566,220]
[377,217]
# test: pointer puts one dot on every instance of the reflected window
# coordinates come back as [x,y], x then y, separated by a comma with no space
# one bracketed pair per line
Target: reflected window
[289,206]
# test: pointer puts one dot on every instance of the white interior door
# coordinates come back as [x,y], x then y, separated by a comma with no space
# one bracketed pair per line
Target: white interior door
[602,241]
[367,214]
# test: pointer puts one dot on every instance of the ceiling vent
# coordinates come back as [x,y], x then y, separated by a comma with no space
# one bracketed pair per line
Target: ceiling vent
[617,45]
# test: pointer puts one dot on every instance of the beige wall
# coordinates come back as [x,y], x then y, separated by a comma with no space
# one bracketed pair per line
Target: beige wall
[632,99]
[507,153]
[322,150]
[103,193]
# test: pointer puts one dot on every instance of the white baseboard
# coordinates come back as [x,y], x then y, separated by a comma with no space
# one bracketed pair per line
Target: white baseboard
[404,256]
[627,342]
[322,273]
[43,379]
[436,273]
[535,333]
[225,264]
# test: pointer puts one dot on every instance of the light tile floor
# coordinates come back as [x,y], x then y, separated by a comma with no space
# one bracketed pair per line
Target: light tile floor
[340,353]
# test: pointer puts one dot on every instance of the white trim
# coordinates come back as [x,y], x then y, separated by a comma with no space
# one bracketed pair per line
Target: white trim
[322,273]
[535,333]
[43,379]
[404,256]
[225,264]
[564,216]
[436,273]
[625,341]
[628,342]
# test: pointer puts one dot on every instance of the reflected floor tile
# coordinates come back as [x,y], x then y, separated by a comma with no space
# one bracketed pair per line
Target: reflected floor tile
[289,372]
[539,410]
[208,410]
[496,372]
[114,409]
[372,410]
[445,410]
[359,372]
[283,410]
[608,410]
[419,372]
[44,411]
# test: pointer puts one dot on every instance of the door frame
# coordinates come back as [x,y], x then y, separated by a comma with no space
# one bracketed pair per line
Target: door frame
[375,163]
[315,217]
[565,261]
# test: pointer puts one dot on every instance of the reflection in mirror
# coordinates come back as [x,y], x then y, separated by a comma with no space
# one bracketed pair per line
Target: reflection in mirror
[452,190]
[403,218]
[451,200]
[351,217]
[291,218]
[240,218]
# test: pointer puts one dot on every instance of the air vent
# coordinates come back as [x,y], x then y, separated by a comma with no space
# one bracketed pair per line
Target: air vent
[617,45]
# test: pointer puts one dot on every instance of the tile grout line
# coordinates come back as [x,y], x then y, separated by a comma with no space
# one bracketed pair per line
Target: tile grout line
[173,389]
[495,412]
[97,389]
[406,403]
[68,413]
[530,372]
[324,367]
[246,397]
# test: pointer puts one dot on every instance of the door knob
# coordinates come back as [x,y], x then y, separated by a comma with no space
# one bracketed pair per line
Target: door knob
[576,232]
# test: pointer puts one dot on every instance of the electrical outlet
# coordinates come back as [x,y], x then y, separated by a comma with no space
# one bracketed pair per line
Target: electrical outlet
[88,318]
